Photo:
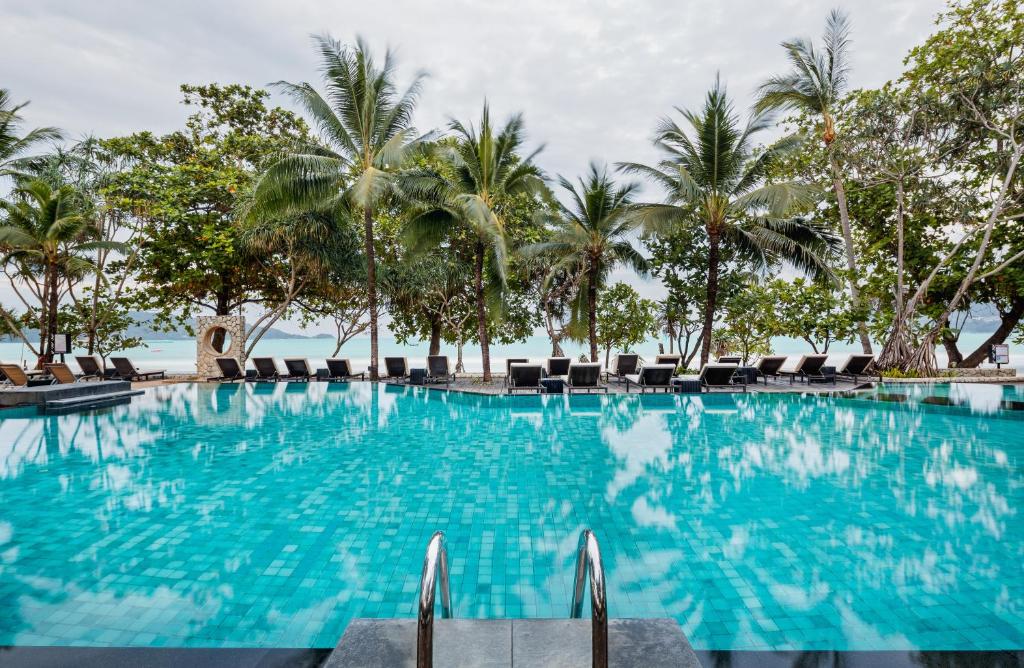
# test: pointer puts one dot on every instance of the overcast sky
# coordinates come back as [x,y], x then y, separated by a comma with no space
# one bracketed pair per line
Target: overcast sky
[591,78]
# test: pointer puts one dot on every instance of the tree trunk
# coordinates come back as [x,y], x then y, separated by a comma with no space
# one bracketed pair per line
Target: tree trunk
[481,310]
[1007,322]
[51,313]
[371,287]
[712,295]
[851,257]
[896,348]
[435,336]
[592,307]
[953,355]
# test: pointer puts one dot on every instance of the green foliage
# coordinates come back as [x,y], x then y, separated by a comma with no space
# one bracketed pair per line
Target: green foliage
[45,239]
[99,325]
[468,199]
[818,313]
[716,182]
[624,319]
[749,322]
[591,237]
[186,188]
[13,144]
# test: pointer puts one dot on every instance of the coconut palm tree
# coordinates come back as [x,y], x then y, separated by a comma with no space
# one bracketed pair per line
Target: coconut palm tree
[480,173]
[45,236]
[816,86]
[365,127]
[714,180]
[13,146]
[592,236]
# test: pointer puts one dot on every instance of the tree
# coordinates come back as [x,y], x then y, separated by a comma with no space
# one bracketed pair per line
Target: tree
[813,312]
[749,321]
[12,145]
[972,72]
[365,126]
[716,182]
[624,319]
[185,191]
[592,237]
[483,176]
[45,238]
[679,258]
[100,308]
[816,85]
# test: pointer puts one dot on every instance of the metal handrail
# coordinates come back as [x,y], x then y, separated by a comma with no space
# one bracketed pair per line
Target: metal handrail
[436,557]
[588,558]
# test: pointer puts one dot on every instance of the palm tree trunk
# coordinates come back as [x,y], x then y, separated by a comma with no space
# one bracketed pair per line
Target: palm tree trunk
[712,296]
[851,257]
[481,310]
[1007,323]
[592,308]
[371,287]
[51,313]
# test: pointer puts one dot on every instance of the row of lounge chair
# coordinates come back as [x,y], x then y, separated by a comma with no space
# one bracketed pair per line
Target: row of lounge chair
[523,376]
[91,369]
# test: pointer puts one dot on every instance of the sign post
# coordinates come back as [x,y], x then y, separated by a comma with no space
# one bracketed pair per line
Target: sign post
[999,354]
[62,345]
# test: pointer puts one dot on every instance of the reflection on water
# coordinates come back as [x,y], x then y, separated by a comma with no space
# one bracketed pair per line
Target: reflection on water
[271,514]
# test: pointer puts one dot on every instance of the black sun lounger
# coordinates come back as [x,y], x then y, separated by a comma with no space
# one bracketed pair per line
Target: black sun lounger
[439,370]
[584,377]
[91,367]
[558,366]
[266,369]
[230,370]
[127,371]
[397,368]
[625,364]
[524,377]
[857,366]
[298,369]
[770,366]
[721,376]
[808,369]
[652,377]
[340,369]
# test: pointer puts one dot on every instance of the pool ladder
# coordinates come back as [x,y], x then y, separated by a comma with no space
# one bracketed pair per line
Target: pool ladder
[588,560]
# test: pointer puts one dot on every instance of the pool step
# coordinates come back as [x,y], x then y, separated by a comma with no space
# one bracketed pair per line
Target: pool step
[87,402]
[504,643]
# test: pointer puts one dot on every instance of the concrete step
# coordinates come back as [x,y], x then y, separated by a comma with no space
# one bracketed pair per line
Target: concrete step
[503,643]
[41,394]
[88,402]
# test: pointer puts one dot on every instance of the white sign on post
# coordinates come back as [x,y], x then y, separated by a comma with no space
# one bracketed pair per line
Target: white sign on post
[62,344]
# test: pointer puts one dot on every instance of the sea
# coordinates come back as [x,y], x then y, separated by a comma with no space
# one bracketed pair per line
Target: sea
[179,356]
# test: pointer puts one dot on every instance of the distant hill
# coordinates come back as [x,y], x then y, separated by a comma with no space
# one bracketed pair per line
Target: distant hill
[144,330]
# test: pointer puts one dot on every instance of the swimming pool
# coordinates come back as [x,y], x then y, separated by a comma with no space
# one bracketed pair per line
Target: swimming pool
[271,515]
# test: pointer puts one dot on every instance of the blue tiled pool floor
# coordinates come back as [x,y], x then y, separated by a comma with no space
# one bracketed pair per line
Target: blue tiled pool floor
[263,515]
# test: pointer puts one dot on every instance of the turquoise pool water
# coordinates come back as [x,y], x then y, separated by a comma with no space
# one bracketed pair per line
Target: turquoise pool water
[271,515]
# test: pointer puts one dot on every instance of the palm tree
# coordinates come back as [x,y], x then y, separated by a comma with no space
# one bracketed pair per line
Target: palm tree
[715,180]
[591,236]
[365,125]
[13,146]
[816,86]
[481,172]
[46,233]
